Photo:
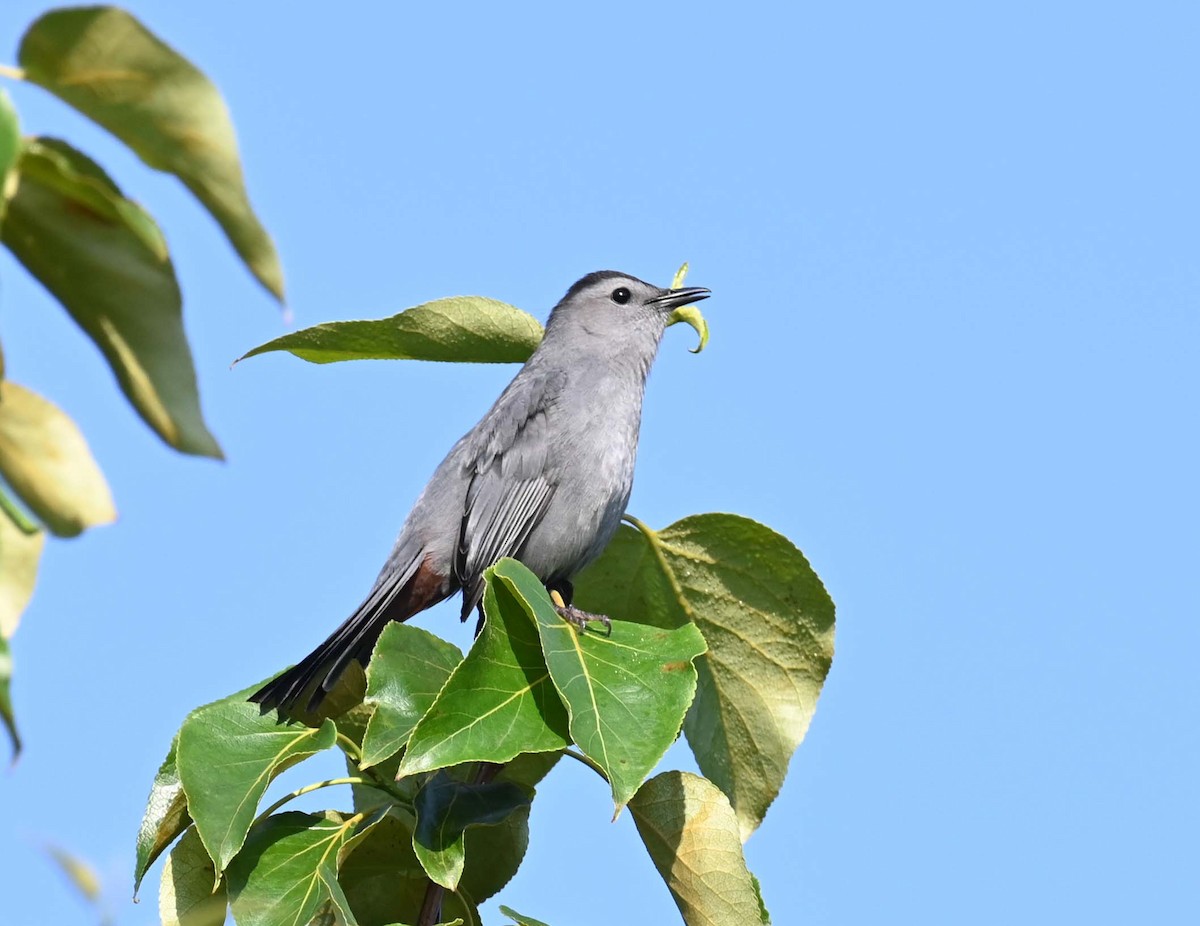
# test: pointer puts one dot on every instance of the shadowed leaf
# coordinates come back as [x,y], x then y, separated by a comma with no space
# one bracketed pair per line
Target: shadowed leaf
[461,329]
[108,66]
[445,808]
[385,884]
[405,674]
[45,459]
[627,692]
[165,817]
[227,755]
[104,259]
[499,701]
[692,836]
[185,895]
[768,623]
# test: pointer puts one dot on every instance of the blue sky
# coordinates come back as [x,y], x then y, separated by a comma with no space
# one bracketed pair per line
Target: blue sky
[953,250]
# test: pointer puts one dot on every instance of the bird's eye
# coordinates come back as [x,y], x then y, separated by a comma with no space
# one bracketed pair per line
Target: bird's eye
[620,295]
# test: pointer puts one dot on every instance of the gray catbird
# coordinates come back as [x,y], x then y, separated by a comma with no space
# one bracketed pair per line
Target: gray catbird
[544,477]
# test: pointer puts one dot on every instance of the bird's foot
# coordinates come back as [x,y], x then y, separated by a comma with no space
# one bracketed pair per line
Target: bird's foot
[576,618]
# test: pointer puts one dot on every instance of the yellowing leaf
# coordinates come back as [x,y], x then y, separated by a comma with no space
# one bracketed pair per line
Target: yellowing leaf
[691,833]
[46,460]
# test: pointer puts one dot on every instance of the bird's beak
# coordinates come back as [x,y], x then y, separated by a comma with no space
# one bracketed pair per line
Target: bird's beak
[676,298]
[680,302]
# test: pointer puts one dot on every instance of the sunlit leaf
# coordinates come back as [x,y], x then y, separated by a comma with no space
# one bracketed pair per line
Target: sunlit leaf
[462,329]
[769,626]
[112,69]
[692,835]
[445,808]
[20,550]
[520,919]
[626,691]
[46,460]
[165,817]
[405,674]
[498,703]
[103,258]
[227,755]
[186,896]
[282,876]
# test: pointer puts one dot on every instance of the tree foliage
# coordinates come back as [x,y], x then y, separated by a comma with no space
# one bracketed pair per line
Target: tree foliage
[102,256]
[720,630]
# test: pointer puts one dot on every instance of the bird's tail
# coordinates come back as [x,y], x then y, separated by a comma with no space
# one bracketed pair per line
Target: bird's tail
[302,688]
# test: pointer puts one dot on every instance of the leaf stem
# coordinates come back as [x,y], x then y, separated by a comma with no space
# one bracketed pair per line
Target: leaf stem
[590,763]
[349,747]
[329,782]
[7,70]
[17,516]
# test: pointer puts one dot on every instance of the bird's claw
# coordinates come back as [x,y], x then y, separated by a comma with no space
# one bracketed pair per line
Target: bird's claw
[580,619]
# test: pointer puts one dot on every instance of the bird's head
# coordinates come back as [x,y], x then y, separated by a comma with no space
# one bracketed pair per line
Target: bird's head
[619,309]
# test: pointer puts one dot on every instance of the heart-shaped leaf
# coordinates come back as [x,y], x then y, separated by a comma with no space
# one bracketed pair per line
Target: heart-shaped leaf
[10,150]
[498,703]
[227,755]
[769,626]
[626,692]
[405,674]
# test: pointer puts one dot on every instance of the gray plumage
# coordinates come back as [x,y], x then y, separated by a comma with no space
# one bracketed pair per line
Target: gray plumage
[543,477]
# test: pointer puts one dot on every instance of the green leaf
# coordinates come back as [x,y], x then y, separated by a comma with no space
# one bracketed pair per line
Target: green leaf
[104,259]
[10,150]
[692,835]
[6,708]
[46,460]
[108,66]
[445,807]
[626,692]
[186,896]
[769,626]
[282,876]
[460,329]
[385,883]
[520,919]
[228,753]
[166,816]
[405,674]
[494,853]
[20,550]
[498,703]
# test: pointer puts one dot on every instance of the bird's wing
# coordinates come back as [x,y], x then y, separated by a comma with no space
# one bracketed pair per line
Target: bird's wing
[509,489]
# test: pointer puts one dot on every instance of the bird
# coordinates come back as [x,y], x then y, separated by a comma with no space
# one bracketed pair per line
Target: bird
[544,477]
